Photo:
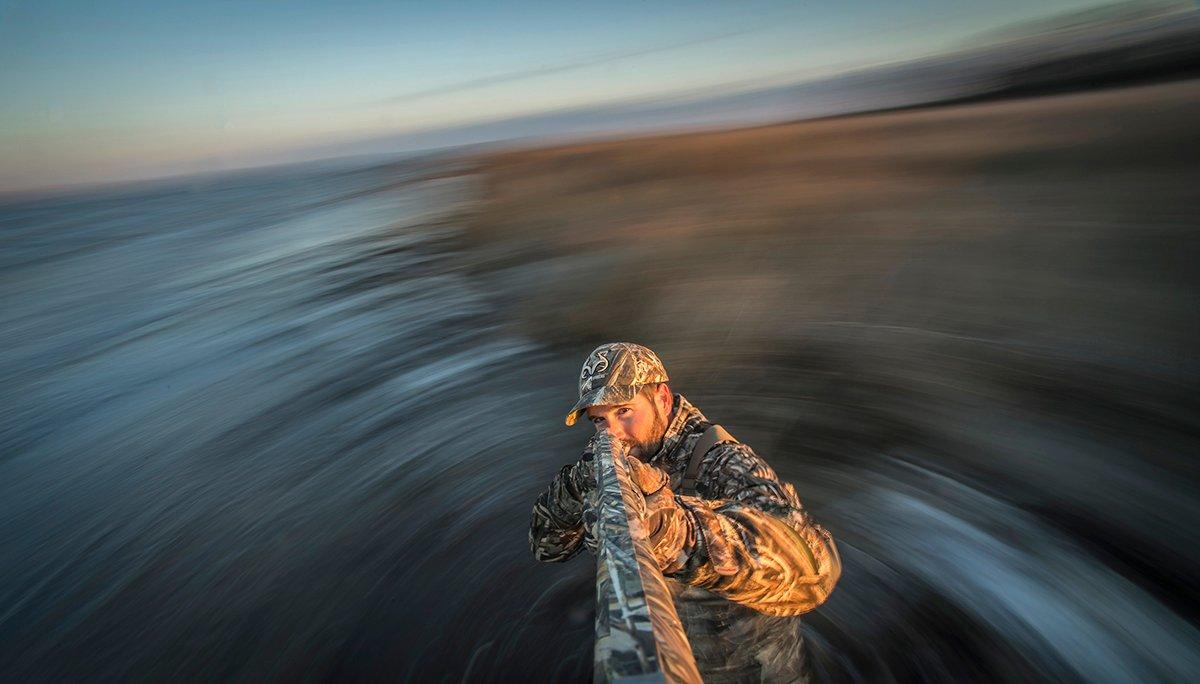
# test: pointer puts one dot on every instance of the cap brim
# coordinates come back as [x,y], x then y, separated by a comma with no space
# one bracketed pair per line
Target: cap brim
[608,394]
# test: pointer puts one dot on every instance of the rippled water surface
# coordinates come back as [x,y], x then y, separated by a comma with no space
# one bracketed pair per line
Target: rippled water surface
[259,426]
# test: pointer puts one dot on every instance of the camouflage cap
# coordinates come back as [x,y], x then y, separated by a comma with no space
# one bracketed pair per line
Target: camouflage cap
[613,373]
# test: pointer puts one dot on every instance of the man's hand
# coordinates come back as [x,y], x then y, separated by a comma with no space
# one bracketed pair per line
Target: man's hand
[582,474]
[674,532]
[667,524]
[671,529]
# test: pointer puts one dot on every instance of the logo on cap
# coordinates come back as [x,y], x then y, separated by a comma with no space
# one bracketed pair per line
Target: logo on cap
[613,372]
[597,363]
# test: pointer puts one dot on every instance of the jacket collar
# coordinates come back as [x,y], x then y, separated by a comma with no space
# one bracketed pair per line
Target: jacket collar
[683,421]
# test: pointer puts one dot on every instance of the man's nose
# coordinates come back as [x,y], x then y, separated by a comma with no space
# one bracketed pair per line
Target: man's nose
[614,430]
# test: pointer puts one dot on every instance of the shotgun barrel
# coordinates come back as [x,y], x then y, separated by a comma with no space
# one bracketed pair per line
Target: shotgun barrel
[638,634]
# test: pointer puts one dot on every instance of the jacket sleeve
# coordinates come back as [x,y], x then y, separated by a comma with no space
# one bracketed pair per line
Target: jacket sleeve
[556,530]
[783,563]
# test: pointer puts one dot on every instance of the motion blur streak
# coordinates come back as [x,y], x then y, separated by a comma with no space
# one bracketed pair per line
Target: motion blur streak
[245,433]
[290,423]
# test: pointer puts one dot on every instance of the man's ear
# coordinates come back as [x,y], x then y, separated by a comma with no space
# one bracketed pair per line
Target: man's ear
[664,397]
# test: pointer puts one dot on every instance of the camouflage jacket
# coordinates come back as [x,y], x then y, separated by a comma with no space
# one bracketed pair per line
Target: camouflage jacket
[787,564]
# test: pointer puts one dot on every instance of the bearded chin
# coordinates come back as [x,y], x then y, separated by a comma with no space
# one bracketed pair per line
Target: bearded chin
[644,450]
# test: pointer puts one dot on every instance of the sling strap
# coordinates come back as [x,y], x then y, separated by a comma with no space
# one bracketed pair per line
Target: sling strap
[713,435]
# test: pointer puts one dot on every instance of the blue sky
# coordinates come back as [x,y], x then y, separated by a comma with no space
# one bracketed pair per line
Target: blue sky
[109,91]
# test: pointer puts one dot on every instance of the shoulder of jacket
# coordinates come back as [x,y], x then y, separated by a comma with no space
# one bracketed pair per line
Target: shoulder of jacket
[724,451]
[705,447]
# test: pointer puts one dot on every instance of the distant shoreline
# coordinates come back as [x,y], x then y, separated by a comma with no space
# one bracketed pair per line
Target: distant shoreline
[556,225]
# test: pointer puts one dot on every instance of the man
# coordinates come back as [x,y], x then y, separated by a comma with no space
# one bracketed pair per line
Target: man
[741,555]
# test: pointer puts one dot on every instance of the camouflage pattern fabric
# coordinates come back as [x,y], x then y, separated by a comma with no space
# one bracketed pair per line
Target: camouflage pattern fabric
[638,632]
[740,624]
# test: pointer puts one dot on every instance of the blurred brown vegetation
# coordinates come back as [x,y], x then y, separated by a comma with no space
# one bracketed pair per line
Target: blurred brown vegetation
[1003,220]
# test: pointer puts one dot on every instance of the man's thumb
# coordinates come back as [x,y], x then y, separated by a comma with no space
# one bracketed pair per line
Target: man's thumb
[648,478]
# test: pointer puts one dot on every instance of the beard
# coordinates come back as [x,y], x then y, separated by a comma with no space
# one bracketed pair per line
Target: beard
[644,449]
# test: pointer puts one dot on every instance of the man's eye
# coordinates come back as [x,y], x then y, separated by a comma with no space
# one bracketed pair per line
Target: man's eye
[624,411]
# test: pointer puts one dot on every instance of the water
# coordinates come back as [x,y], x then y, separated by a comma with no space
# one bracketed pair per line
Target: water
[268,425]
[241,431]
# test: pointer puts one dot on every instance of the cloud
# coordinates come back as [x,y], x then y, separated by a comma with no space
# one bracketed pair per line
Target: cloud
[512,76]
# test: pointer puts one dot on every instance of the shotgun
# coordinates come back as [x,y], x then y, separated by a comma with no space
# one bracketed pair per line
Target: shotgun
[638,634]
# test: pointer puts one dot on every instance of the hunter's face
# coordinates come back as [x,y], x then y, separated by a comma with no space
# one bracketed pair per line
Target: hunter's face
[640,423]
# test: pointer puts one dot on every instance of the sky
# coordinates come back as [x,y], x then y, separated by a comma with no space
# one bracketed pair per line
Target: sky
[112,91]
